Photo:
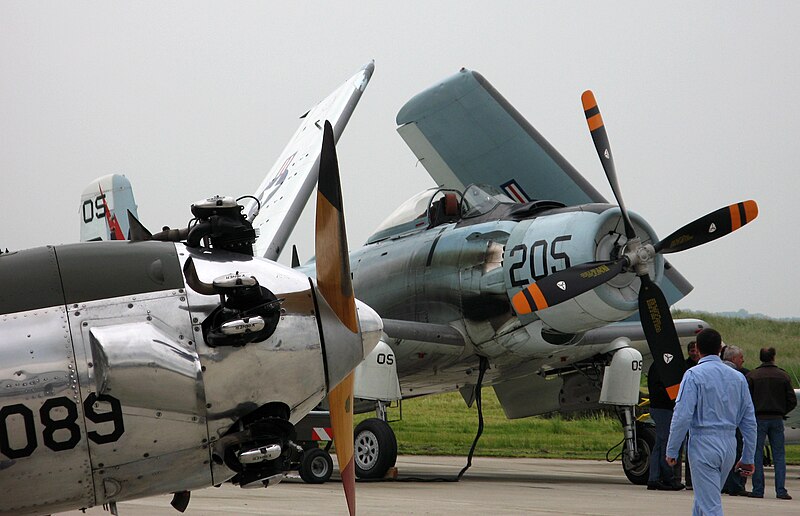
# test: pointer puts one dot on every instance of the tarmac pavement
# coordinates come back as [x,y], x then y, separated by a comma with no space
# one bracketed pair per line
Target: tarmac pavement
[490,486]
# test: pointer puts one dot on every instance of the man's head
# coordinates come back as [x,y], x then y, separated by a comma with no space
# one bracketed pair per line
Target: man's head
[691,348]
[709,342]
[767,355]
[734,355]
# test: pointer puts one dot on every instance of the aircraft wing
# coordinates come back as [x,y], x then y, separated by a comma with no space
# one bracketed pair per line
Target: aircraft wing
[288,185]
[464,131]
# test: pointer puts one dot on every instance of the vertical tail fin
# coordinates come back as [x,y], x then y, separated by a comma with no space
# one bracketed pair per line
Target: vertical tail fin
[103,209]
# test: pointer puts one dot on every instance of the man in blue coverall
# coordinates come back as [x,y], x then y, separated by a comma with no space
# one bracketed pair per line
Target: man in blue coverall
[712,402]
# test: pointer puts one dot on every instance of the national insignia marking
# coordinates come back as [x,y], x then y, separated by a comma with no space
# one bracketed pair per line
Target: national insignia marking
[712,228]
[562,285]
[667,358]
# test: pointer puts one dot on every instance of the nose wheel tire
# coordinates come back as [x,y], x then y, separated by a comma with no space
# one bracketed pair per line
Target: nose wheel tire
[375,449]
[638,471]
[316,466]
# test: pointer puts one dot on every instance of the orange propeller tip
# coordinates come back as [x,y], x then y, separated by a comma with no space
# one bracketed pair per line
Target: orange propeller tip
[588,100]
[751,209]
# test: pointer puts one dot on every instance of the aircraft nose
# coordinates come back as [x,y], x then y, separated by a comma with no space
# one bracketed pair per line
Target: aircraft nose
[343,348]
[371,326]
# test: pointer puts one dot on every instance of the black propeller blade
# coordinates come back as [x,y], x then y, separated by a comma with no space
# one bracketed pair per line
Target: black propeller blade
[662,338]
[709,227]
[564,285]
[600,138]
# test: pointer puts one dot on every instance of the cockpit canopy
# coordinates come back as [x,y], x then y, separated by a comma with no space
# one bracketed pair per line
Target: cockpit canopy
[436,206]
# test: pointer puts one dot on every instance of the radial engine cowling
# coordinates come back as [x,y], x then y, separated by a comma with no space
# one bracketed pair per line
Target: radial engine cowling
[562,238]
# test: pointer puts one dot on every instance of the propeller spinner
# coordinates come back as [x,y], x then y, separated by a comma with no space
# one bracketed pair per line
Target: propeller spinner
[659,329]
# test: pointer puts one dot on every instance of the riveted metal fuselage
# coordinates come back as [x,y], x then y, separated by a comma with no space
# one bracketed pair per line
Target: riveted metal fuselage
[464,274]
[108,390]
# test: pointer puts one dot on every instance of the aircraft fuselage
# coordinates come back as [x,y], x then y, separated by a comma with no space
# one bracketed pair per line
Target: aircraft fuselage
[111,391]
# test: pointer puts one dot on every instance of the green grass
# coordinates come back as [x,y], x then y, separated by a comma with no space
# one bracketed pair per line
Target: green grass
[753,334]
[443,425]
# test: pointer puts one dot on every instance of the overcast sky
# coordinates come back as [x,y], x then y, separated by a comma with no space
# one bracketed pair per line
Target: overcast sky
[192,99]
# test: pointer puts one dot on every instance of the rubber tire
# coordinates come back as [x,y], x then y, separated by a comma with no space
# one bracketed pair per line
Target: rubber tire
[639,472]
[316,466]
[375,448]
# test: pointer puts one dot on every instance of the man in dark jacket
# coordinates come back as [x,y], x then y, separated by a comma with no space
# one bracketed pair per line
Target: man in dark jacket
[661,406]
[773,398]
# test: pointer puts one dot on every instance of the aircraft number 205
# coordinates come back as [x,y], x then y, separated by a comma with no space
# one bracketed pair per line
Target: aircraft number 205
[544,259]
[70,435]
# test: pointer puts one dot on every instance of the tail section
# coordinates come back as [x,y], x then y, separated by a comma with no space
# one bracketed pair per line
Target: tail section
[103,210]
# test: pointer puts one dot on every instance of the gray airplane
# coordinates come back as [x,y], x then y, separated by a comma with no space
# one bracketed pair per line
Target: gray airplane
[516,273]
[179,360]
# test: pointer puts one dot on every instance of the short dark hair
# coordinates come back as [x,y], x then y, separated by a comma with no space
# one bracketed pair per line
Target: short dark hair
[691,345]
[767,355]
[709,342]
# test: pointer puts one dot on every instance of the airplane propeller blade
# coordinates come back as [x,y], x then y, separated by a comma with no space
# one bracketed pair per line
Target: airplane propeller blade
[334,283]
[600,138]
[709,227]
[564,285]
[136,230]
[661,335]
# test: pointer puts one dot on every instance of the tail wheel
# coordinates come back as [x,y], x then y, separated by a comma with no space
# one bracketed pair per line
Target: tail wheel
[316,466]
[375,448]
[638,471]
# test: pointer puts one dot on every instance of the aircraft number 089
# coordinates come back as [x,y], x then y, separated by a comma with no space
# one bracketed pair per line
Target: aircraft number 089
[51,437]
[541,263]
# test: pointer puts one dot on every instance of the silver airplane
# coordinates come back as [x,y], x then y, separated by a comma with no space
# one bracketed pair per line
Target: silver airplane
[179,360]
[516,273]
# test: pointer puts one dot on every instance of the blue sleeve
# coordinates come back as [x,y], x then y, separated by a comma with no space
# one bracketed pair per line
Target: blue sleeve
[747,425]
[682,416]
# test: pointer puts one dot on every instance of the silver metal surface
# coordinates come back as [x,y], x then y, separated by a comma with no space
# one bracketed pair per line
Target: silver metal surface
[366,449]
[141,350]
[286,368]
[270,452]
[36,368]
[246,325]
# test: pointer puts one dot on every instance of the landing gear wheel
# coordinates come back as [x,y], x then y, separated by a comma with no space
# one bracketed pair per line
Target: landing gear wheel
[638,471]
[375,449]
[316,466]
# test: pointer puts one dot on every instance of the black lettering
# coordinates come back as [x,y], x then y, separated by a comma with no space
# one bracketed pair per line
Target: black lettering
[51,426]
[114,415]
[559,255]
[30,431]
[101,207]
[518,265]
[88,215]
[541,245]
